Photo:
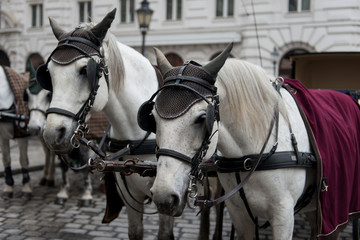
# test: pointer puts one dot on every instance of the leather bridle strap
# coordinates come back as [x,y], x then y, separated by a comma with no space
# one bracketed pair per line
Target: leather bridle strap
[62,112]
[210,203]
[174,154]
[37,110]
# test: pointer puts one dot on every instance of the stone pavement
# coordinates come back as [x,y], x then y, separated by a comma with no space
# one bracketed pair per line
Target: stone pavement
[40,218]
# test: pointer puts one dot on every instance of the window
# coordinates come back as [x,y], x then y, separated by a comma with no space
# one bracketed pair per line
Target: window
[299,5]
[36,15]
[127,10]
[84,12]
[224,8]
[174,59]
[173,9]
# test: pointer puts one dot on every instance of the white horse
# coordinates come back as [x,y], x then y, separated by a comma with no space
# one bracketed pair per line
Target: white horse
[130,80]
[247,102]
[7,99]
[38,102]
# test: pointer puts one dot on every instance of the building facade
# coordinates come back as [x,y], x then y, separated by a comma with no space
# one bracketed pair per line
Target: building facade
[264,32]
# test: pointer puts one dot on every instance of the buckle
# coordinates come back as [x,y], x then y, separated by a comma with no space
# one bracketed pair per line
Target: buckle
[247,164]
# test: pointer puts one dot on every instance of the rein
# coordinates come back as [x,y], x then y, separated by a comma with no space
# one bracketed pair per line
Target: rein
[210,203]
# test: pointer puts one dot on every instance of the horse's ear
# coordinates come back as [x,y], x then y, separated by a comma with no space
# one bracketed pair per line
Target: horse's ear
[162,62]
[31,70]
[57,30]
[102,27]
[216,64]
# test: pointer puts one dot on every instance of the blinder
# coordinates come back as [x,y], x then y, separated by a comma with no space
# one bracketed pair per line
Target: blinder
[43,77]
[145,118]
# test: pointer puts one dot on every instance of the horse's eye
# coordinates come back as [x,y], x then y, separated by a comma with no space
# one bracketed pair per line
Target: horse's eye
[83,71]
[201,119]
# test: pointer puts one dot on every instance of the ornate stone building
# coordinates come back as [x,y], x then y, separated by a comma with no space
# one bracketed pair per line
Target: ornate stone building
[265,32]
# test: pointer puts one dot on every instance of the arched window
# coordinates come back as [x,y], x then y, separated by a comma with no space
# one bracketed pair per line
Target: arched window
[174,59]
[4,59]
[36,61]
[285,66]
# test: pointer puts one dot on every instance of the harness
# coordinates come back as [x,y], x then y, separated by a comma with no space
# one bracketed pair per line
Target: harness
[212,114]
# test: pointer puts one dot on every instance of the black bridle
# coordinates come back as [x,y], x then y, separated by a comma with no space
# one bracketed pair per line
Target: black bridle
[177,81]
[95,69]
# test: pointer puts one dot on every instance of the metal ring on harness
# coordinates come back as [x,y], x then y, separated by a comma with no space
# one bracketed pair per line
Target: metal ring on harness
[247,166]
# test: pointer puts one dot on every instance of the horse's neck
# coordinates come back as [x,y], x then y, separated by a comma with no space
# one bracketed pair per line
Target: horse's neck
[6,94]
[140,82]
[237,140]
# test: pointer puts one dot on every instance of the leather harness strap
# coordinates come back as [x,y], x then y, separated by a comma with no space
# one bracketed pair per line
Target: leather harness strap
[137,147]
[315,150]
[275,161]
[210,203]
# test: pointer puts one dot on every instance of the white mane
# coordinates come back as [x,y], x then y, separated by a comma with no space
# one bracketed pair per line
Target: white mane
[249,96]
[116,65]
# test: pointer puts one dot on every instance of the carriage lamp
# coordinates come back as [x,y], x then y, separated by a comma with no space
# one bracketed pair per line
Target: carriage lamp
[144,14]
[274,55]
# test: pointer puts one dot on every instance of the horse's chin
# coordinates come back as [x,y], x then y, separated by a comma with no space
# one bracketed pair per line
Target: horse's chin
[174,212]
[60,148]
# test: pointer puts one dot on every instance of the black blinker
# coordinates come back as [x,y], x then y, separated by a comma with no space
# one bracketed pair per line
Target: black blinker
[92,73]
[145,119]
[43,77]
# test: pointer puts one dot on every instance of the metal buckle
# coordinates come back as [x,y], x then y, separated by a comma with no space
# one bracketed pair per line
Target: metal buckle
[247,166]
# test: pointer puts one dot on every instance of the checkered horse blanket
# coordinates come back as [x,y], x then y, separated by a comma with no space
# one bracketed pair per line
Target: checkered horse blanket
[335,123]
[18,83]
[97,125]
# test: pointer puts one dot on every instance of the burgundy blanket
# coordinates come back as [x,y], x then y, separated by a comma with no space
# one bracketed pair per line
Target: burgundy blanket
[335,121]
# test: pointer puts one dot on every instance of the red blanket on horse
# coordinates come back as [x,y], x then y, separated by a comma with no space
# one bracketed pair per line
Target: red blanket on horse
[335,121]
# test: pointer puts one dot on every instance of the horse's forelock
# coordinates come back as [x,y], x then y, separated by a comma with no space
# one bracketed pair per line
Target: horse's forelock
[114,62]
[112,57]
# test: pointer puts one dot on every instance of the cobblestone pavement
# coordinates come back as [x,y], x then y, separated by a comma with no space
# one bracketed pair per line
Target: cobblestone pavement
[40,218]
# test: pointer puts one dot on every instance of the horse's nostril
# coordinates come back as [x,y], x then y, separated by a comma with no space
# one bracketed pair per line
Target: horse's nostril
[174,202]
[61,135]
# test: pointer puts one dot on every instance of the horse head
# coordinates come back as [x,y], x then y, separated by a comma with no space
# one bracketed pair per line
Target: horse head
[185,120]
[75,73]
[38,100]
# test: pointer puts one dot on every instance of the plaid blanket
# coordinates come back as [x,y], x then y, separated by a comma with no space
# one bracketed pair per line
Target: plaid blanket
[18,83]
[335,122]
[97,125]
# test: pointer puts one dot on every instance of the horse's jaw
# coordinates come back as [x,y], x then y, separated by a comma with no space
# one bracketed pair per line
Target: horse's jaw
[169,190]
[58,131]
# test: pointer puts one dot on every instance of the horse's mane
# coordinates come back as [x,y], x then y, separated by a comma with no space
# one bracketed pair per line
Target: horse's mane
[115,65]
[249,95]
